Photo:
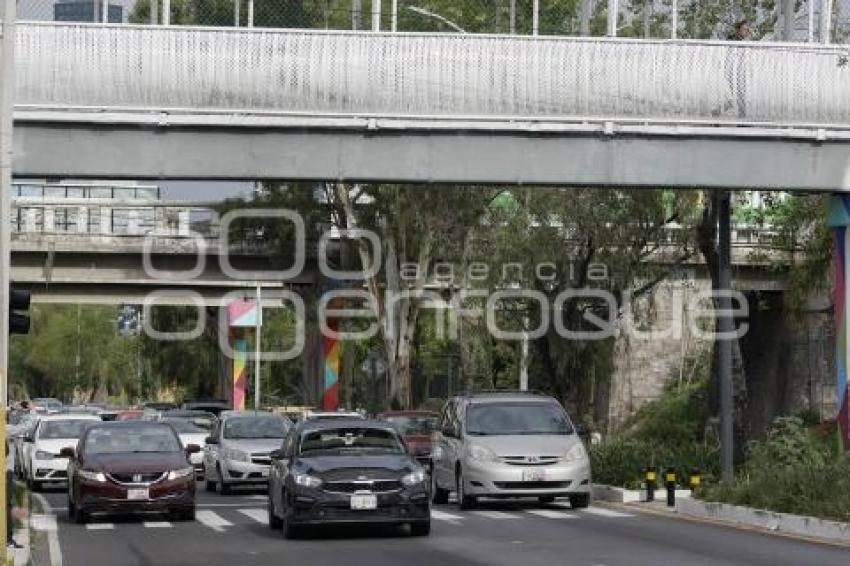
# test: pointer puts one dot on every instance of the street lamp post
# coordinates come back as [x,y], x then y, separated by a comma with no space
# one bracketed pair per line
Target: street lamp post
[7,91]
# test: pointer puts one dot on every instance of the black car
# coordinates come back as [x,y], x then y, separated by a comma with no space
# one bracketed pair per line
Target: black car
[346,471]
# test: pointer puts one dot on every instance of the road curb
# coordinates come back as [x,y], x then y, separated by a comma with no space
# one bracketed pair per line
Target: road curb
[770,521]
[614,494]
[673,515]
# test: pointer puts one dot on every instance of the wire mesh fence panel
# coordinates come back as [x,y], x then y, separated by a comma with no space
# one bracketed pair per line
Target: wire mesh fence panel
[417,75]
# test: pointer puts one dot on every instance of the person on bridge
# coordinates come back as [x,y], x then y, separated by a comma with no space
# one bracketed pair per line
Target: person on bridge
[736,69]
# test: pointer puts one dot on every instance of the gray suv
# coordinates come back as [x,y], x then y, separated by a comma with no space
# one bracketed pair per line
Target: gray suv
[508,445]
[237,450]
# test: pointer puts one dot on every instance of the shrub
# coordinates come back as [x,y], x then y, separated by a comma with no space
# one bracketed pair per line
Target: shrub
[621,461]
[791,471]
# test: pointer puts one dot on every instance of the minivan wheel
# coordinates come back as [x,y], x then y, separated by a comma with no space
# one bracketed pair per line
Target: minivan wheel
[464,501]
[580,500]
[439,495]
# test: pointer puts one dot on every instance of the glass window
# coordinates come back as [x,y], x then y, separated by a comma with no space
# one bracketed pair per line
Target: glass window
[349,440]
[255,427]
[51,430]
[118,440]
[517,418]
[413,425]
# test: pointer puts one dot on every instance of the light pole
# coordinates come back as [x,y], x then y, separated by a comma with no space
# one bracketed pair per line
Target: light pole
[438,17]
[7,91]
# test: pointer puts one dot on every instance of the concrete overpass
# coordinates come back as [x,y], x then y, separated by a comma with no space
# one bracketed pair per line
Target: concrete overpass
[103,101]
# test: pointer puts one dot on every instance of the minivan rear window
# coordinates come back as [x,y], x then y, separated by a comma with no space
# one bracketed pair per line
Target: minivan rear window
[517,418]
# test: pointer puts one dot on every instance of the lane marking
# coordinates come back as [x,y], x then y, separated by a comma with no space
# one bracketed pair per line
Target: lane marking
[156,524]
[551,514]
[53,550]
[500,515]
[212,520]
[259,515]
[443,516]
[100,526]
[600,512]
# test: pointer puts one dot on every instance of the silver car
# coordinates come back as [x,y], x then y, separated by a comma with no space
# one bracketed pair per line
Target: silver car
[237,450]
[508,445]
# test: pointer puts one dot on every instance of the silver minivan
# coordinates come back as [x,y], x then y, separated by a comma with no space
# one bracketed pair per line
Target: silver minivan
[508,445]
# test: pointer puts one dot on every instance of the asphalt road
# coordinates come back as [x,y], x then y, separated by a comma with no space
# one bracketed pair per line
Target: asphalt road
[232,530]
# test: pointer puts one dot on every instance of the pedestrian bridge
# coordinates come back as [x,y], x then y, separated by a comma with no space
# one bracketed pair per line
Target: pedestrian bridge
[119,101]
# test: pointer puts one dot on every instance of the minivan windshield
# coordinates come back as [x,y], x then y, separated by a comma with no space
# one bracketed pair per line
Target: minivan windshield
[254,427]
[526,418]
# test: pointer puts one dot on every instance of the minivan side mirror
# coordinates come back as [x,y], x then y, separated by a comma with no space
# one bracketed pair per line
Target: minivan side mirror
[67,452]
[211,440]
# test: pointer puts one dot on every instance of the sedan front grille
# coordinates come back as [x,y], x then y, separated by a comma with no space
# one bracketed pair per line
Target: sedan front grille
[374,486]
[358,474]
[261,459]
[137,479]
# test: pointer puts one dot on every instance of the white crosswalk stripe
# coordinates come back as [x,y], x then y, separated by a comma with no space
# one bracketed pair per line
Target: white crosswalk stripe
[259,515]
[551,514]
[212,520]
[100,526]
[156,524]
[500,515]
[599,511]
[443,516]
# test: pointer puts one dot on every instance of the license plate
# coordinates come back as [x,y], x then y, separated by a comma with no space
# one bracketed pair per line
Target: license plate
[533,475]
[364,502]
[136,494]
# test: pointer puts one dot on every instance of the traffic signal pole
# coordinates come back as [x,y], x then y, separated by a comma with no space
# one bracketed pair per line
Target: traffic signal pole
[7,88]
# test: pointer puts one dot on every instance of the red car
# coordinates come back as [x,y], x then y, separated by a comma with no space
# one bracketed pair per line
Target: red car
[416,428]
[130,467]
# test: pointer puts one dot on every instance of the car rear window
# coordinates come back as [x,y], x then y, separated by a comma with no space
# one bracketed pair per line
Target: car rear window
[123,440]
[348,440]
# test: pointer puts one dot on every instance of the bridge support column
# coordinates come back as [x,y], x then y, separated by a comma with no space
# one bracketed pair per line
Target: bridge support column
[839,221]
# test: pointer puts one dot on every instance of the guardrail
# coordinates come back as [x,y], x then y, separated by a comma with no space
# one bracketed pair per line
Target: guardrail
[441,76]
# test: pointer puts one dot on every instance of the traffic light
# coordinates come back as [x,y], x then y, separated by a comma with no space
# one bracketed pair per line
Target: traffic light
[18,301]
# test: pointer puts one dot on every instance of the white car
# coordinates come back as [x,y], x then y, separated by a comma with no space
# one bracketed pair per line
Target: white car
[190,432]
[24,428]
[41,460]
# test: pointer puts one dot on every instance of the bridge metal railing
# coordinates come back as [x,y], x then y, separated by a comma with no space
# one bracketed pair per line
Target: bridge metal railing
[510,79]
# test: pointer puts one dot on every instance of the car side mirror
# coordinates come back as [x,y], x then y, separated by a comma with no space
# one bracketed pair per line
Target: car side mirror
[67,452]
[278,454]
[211,440]
[192,449]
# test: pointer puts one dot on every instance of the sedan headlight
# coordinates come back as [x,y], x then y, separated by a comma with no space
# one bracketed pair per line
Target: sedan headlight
[482,453]
[306,480]
[577,452]
[181,473]
[414,478]
[42,455]
[92,476]
[238,455]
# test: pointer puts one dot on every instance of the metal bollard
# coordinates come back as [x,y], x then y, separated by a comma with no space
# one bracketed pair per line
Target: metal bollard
[650,478]
[694,479]
[670,482]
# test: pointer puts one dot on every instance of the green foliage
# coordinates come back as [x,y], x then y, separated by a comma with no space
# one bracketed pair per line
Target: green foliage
[791,471]
[664,432]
